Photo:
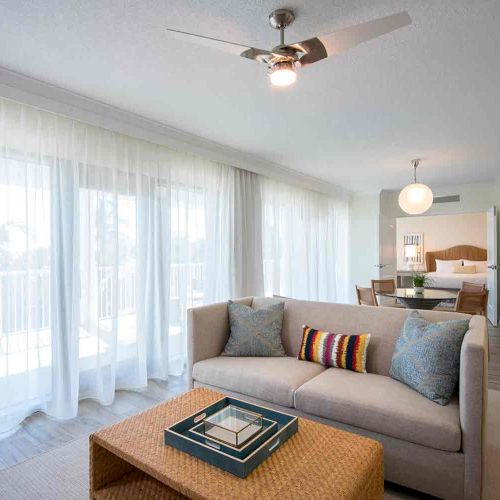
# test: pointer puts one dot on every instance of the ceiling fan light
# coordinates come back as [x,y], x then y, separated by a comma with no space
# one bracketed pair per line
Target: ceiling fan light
[283,77]
[282,73]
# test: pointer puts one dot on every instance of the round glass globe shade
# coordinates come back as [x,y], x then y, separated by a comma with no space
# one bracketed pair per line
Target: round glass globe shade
[416,198]
[283,77]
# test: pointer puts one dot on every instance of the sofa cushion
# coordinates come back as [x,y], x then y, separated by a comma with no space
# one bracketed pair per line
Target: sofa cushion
[255,332]
[270,379]
[331,349]
[427,356]
[381,404]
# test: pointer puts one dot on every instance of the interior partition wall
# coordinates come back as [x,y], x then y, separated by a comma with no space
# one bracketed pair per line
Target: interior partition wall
[106,240]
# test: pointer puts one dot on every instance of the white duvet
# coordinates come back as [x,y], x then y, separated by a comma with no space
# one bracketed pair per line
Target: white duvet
[454,280]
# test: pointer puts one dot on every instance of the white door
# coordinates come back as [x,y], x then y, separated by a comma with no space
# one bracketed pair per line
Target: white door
[492,265]
[387,248]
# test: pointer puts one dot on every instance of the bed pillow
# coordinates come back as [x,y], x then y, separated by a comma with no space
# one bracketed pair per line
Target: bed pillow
[255,332]
[334,349]
[446,266]
[481,265]
[464,269]
[427,356]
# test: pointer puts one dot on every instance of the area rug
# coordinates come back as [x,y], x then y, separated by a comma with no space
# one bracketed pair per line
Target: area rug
[62,473]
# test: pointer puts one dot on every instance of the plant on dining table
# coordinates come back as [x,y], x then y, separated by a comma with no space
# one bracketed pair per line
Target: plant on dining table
[420,280]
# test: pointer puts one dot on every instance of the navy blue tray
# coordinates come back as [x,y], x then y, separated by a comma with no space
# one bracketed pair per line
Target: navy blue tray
[179,437]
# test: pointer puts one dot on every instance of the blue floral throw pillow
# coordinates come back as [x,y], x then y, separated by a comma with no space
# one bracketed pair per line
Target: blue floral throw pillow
[255,332]
[427,356]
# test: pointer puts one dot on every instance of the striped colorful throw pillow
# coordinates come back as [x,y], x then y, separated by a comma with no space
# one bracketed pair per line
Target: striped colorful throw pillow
[334,349]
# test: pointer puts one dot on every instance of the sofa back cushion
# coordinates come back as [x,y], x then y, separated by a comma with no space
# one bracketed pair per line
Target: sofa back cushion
[383,323]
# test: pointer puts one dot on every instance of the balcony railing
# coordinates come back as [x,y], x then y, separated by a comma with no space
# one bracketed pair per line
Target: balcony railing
[25,294]
[24,300]
[125,291]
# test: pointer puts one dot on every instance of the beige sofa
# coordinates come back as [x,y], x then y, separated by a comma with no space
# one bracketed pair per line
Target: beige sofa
[431,448]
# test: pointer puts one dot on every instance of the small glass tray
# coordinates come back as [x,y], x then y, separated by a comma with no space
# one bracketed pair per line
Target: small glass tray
[233,425]
[268,429]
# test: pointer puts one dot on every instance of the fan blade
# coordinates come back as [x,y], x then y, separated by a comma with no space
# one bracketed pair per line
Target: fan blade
[230,47]
[320,47]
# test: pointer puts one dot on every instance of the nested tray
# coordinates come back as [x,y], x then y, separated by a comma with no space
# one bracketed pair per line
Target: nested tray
[233,425]
[269,428]
[179,436]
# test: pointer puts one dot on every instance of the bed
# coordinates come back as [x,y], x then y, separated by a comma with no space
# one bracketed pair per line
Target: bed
[454,280]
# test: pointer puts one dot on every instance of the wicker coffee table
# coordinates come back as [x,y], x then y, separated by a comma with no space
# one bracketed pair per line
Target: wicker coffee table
[129,460]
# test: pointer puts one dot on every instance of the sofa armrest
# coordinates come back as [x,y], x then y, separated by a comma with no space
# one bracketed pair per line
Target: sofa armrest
[473,393]
[208,331]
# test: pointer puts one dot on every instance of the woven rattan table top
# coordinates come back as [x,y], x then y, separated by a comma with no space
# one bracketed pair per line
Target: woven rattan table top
[317,462]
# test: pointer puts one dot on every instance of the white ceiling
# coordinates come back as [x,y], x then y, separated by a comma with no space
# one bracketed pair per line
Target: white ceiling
[430,90]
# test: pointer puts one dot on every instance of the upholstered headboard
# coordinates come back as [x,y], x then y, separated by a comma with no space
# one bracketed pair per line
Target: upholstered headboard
[454,253]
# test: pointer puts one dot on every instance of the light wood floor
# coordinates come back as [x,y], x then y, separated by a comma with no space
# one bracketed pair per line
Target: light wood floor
[40,433]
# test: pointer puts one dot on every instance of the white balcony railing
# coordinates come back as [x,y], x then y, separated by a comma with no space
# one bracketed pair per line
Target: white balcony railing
[24,300]
[25,294]
[125,291]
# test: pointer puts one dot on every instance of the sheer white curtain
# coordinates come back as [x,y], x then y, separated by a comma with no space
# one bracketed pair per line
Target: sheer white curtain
[304,243]
[104,242]
[249,277]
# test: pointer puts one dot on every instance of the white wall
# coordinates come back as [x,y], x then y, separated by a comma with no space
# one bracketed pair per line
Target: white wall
[363,241]
[441,232]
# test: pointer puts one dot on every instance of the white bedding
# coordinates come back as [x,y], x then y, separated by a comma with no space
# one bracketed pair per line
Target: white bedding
[454,280]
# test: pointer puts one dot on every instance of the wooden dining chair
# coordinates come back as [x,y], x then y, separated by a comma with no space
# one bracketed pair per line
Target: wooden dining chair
[384,286]
[467,286]
[472,302]
[365,296]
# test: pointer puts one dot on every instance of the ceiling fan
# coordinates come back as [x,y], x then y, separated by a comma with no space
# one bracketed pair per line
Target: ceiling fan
[284,59]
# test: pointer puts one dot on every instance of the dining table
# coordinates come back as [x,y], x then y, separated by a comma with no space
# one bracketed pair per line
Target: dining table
[429,298]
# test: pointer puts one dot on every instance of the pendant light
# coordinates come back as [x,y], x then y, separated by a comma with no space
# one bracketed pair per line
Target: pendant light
[415,198]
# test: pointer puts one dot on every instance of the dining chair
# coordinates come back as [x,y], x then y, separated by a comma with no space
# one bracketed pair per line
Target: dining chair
[385,286]
[365,296]
[467,286]
[472,302]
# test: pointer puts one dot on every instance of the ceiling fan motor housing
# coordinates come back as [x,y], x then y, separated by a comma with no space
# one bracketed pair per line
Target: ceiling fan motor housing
[281,18]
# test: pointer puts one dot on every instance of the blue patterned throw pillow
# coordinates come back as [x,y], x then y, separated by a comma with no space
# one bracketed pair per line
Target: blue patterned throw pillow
[255,332]
[427,356]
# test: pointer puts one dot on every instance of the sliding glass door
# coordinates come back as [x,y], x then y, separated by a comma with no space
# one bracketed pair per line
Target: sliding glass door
[25,307]
[98,267]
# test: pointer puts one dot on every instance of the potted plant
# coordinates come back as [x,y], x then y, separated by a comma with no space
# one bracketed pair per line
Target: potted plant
[419,281]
